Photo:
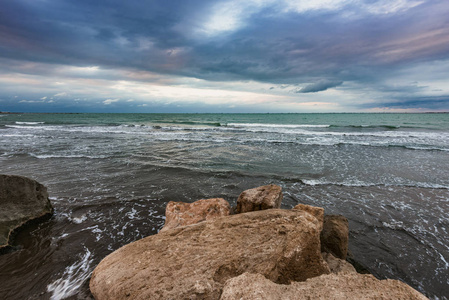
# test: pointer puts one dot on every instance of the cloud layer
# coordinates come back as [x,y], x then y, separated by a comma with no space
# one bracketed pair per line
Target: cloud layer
[256,55]
[319,86]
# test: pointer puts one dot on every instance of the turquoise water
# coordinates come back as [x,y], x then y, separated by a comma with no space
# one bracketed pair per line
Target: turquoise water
[111,175]
[430,121]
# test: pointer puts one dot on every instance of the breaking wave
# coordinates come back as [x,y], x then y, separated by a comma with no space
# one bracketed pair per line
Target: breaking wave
[72,279]
[29,123]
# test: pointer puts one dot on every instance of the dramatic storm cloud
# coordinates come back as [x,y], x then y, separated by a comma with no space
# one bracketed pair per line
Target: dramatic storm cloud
[319,86]
[224,56]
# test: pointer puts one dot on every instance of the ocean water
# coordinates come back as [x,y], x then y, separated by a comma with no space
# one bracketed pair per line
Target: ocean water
[110,176]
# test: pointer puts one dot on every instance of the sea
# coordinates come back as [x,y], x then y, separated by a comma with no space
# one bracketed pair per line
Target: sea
[110,176]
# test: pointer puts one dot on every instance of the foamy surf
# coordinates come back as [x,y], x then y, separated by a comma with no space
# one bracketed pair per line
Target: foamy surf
[29,123]
[111,178]
[314,182]
[72,279]
[238,125]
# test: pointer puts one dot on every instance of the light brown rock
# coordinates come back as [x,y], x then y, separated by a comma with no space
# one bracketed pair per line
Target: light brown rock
[330,287]
[337,265]
[180,213]
[194,262]
[260,198]
[21,200]
[335,235]
[317,212]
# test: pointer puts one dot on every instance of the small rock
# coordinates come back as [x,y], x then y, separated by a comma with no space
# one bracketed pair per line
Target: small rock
[21,200]
[317,212]
[260,198]
[180,213]
[336,287]
[337,265]
[335,235]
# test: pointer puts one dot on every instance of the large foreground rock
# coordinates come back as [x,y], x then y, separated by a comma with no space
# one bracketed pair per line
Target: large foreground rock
[194,262]
[260,198]
[333,287]
[180,213]
[21,200]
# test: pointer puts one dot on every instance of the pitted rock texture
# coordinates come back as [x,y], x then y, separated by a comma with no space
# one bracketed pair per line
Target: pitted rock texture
[330,287]
[337,265]
[21,200]
[195,261]
[260,198]
[317,212]
[180,213]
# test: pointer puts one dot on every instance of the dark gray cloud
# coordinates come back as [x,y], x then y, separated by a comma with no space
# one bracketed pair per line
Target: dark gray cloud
[418,102]
[319,86]
[269,48]
[268,44]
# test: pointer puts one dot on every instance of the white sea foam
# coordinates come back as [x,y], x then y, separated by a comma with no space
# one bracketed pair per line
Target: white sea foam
[17,135]
[394,224]
[29,123]
[72,279]
[314,182]
[276,125]
[45,156]
[301,134]
[281,128]
[87,129]
[20,127]
[80,219]
[131,214]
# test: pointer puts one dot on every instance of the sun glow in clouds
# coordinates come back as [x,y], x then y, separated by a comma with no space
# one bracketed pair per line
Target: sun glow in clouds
[232,15]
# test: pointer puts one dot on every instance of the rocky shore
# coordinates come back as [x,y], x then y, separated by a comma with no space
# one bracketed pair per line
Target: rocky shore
[22,201]
[207,250]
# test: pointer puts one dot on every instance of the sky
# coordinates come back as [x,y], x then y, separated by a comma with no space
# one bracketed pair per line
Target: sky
[224,56]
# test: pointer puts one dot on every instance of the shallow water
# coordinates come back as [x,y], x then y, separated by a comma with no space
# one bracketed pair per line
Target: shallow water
[110,177]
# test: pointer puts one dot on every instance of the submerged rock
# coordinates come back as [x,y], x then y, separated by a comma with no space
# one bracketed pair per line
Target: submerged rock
[180,213]
[21,200]
[260,198]
[335,235]
[194,262]
[336,287]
